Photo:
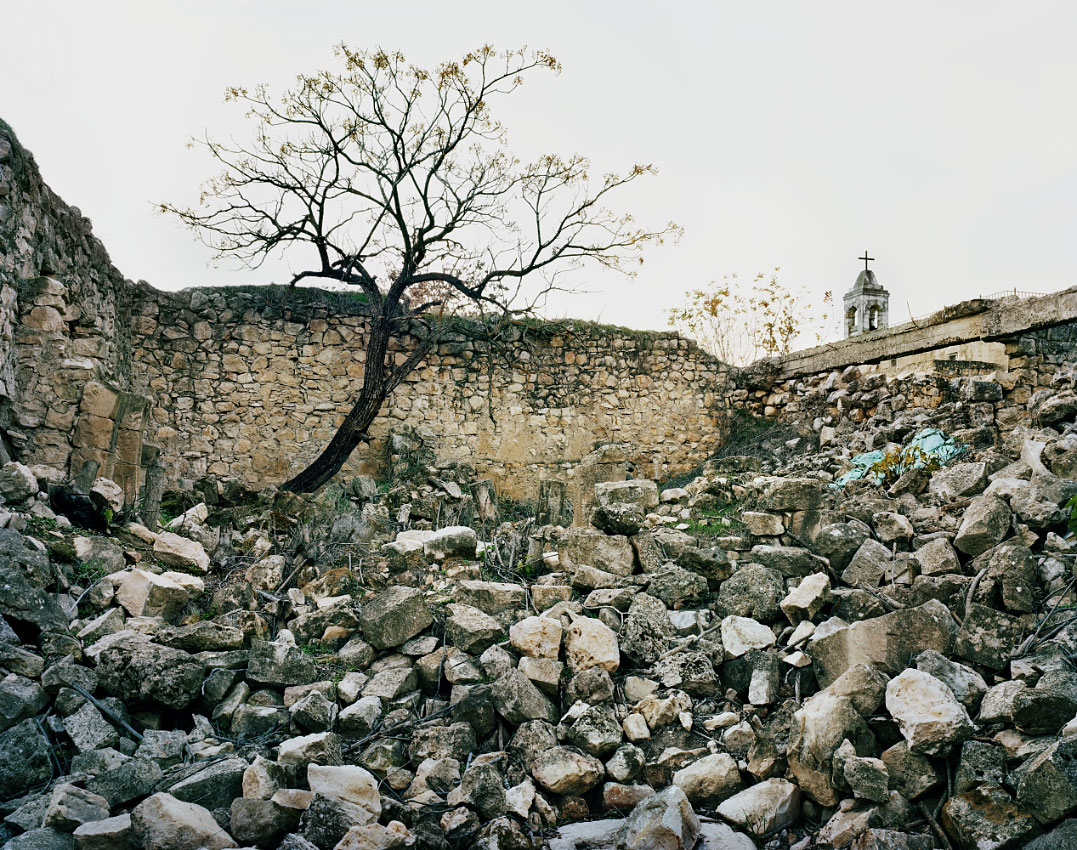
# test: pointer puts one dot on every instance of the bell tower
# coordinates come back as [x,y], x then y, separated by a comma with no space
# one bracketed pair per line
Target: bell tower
[867,304]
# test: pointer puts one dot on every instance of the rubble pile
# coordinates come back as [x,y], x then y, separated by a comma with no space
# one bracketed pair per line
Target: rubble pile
[756,659]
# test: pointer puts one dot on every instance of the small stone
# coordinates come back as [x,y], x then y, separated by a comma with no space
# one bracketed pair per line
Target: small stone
[740,634]
[536,637]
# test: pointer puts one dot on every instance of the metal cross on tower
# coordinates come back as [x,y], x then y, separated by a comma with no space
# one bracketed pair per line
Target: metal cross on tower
[866,260]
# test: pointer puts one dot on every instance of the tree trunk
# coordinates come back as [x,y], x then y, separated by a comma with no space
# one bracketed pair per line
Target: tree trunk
[352,432]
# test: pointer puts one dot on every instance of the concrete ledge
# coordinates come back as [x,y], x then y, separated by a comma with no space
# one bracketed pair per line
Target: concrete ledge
[978,319]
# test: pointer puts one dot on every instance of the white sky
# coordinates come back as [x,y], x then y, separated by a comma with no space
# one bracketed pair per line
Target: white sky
[939,136]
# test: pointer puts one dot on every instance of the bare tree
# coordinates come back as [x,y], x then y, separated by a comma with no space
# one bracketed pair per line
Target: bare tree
[397,180]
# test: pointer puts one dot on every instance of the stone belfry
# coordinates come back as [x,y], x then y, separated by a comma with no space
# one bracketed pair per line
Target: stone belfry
[867,304]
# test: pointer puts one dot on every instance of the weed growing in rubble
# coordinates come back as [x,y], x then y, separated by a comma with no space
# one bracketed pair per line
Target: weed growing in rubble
[716,520]
[898,461]
[87,572]
[1071,521]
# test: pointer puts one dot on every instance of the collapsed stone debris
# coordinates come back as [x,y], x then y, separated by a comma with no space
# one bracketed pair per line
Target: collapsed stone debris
[754,659]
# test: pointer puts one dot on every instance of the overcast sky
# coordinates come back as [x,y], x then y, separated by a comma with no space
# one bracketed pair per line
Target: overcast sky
[939,136]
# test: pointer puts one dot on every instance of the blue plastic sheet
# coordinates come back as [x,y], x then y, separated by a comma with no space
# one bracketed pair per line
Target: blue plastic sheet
[933,444]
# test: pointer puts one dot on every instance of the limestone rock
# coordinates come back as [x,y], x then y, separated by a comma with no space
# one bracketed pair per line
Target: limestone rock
[664,821]
[770,805]
[455,541]
[612,554]
[145,594]
[985,523]
[1048,786]
[929,716]
[536,637]
[280,665]
[471,630]
[647,630]
[741,634]
[394,616]
[752,591]
[17,483]
[591,643]
[988,817]
[518,700]
[709,780]
[104,834]
[937,557]
[162,822]
[807,598]
[348,784]
[887,641]
[175,551]
[566,771]
[134,666]
[954,482]
[69,807]
[819,727]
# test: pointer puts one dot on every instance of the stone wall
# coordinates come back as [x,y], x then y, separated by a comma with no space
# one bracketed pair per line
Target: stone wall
[251,384]
[833,401]
[64,333]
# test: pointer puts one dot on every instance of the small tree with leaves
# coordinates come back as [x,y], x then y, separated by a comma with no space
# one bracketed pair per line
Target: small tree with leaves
[740,325]
[397,180]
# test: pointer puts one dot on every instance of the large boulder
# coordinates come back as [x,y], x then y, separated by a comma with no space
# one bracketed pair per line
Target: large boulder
[17,483]
[988,817]
[349,784]
[752,591]
[145,594]
[767,807]
[636,491]
[591,643]
[819,727]
[709,780]
[888,641]
[647,630]
[590,547]
[280,665]
[134,667]
[470,629]
[456,541]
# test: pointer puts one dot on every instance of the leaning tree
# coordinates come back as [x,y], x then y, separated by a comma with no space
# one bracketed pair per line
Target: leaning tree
[397,180]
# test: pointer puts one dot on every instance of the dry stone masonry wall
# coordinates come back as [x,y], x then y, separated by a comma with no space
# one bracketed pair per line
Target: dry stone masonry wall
[250,384]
